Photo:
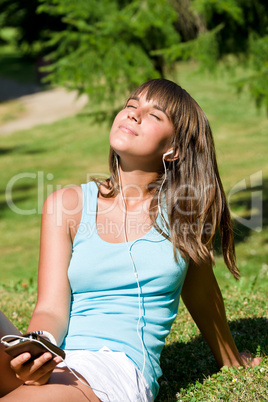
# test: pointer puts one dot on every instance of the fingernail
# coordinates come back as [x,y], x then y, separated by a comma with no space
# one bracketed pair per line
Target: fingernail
[26,356]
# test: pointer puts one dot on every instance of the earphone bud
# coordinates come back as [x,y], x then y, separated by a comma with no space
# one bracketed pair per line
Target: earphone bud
[168,153]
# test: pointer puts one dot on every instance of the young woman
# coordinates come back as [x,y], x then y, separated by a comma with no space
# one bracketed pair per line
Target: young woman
[116,256]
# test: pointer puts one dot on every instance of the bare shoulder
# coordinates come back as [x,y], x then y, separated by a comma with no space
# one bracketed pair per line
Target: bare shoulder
[68,199]
[63,208]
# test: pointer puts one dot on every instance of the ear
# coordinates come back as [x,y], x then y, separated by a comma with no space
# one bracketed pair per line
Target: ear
[170,156]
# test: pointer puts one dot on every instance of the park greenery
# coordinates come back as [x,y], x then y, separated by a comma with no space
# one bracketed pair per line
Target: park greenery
[105,48]
[100,47]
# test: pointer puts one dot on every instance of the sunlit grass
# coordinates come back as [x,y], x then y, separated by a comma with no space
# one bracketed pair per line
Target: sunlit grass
[190,372]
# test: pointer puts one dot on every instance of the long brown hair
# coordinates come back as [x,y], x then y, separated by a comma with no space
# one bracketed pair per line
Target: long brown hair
[194,198]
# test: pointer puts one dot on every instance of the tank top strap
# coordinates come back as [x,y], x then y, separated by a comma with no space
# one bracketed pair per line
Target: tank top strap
[90,194]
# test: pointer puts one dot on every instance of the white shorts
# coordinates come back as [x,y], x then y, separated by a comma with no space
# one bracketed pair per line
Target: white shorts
[112,375]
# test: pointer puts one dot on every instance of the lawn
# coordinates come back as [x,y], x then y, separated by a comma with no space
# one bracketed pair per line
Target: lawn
[36,162]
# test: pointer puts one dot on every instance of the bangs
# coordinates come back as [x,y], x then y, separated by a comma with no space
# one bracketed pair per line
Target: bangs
[165,93]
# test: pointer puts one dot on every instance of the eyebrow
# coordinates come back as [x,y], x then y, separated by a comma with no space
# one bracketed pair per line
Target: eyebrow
[136,98]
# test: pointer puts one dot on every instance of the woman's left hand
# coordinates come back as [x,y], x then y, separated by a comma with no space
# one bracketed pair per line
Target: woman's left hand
[249,361]
[36,372]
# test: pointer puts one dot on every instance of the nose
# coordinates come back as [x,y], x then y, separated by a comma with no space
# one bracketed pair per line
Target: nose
[134,114]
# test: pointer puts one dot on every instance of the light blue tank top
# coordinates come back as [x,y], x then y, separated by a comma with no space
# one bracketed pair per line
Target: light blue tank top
[104,300]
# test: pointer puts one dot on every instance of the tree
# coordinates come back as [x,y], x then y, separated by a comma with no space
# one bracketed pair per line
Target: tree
[109,47]
[244,33]
[218,29]
[106,47]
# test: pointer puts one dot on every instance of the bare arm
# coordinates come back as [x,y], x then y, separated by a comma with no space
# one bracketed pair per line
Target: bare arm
[203,299]
[52,307]
[53,302]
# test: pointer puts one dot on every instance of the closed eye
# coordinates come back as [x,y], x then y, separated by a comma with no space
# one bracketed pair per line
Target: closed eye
[154,115]
[133,106]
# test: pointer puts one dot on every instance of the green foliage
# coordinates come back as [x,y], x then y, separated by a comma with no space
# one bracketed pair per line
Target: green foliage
[244,34]
[204,49]
[257,78]
[224,28]
[106,46]
[30,27]
[230,8]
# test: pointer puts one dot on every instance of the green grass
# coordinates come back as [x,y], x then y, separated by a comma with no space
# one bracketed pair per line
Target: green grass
[69,151]
[189,370]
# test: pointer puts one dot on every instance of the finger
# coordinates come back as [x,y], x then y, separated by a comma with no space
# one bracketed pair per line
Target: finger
[41,376]
[249,361]
[18,361]
[28,369]
[41,360]
[255,362]
[246,358]
[44,359]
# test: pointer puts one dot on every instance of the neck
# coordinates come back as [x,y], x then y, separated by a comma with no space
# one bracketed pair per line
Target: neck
[135,179]
[135,183]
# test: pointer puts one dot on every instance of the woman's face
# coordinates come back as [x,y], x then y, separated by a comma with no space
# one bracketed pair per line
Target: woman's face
[142,130]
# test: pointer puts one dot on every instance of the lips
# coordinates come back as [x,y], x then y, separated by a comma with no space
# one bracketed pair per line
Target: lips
[127,129]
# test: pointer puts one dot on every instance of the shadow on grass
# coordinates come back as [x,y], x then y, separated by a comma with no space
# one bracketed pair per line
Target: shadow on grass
[21,149]
[184,364]
[7,150]
[17,197]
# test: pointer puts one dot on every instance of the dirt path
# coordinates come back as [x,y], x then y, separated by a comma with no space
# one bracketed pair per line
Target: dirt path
[40,107]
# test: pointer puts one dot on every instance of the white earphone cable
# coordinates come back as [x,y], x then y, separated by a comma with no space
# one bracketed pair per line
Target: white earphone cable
[133,265]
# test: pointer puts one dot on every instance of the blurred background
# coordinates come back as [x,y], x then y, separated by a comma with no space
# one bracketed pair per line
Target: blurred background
[65,69]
